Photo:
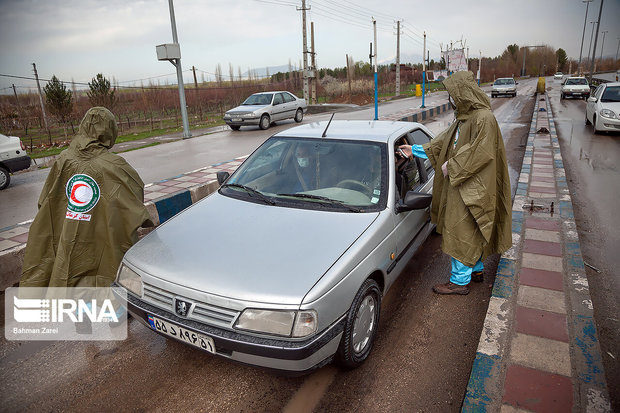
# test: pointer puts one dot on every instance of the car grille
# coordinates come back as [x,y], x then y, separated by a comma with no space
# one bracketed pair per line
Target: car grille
[202,312]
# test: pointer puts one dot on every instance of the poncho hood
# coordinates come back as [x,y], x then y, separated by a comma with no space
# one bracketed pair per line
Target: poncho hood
[466,94]
[98,130]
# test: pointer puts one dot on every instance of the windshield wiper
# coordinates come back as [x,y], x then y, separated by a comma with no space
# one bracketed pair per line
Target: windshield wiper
[330,201]
[251,191]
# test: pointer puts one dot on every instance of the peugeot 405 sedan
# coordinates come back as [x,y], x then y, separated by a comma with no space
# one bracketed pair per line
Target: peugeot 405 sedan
[265,108]
[603,108]
[504,86]
[285,266]
[576,87]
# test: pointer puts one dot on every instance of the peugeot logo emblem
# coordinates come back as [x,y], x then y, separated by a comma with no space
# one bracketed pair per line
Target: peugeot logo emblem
[182,307]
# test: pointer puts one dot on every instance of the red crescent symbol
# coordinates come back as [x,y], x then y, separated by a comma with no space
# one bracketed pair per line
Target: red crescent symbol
[73,198]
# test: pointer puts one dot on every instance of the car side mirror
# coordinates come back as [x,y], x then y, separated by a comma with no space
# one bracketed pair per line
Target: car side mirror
[592,99]
[414,200]
[222,176]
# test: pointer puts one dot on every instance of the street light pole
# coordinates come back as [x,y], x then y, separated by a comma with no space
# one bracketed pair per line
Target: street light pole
[598,26]
[374,26]
[177,63]
[585,20]
[603,44]
[590,47]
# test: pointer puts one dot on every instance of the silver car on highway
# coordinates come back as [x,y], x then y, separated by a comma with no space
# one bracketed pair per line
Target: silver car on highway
[285,266]
[504,86]
[265,108]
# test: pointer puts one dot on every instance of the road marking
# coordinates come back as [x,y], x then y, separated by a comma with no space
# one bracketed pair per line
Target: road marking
[308,396]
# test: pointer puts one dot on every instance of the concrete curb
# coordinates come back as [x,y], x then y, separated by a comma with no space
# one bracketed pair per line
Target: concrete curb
[487,384]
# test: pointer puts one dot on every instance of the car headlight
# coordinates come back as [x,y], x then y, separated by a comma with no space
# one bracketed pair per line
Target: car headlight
[226,115]
[606,113]
[281,323]
[130,280]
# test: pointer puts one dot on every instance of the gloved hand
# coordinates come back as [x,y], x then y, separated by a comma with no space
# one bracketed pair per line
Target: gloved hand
[444,168]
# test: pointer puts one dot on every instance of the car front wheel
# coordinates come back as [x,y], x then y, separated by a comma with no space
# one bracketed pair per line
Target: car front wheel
[299,115]
[264,122]
[594,123]
[587,121]
[5,178]
[235,127]
[361,326]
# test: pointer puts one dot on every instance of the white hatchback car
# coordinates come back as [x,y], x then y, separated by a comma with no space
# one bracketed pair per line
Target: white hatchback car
[603,108]
[13,158]
[576,87]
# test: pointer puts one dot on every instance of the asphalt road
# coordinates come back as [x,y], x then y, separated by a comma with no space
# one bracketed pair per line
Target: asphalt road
[421,360]
[591,163]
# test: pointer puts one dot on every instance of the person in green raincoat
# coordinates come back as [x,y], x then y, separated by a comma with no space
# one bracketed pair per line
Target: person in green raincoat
[471,189]
[90,209]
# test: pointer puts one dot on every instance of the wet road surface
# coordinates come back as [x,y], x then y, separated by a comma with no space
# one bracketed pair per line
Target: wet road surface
[420,362]
[593,173]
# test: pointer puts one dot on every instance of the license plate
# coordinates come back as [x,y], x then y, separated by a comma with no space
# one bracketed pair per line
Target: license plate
[181,333]
[237,119]
[576,94]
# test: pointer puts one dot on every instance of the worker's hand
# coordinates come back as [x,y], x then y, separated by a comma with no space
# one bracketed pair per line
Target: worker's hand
[406,149]
[444,168]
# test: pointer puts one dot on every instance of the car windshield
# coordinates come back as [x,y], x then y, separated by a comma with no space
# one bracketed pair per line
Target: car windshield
[611,94]
[338,175]
[504,82]
[577,82]
[259,99]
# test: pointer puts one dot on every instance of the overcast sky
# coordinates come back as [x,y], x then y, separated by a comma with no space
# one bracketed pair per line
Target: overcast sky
[76,39]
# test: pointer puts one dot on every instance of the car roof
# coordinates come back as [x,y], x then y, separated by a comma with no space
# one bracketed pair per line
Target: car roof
[576,77]
[611,84]
[501,78]
[272,91]
[362,130]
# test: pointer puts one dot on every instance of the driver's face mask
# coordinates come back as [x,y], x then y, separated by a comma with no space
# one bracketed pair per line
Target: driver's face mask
[303,162]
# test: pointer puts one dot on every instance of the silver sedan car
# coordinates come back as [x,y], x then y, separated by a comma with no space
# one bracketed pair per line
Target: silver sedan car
[265,108]
[285,266]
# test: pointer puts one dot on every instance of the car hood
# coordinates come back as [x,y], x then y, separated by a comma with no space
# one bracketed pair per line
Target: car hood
[246,108]
[615,106]
[247,251]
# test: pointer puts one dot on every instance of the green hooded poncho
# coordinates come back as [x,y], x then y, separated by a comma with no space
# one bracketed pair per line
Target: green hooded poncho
[89,211]
[472,206]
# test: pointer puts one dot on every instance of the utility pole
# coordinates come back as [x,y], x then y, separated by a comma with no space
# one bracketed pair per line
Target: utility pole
[523,68]
[585,20]
[617,49]
[172,53]
[423,71]
[305,50]
[603,43]
[36,76]
[480,68]
[590,54]
[314,74]
[195,81]
[398,57]
[349,76]
[16,100]
[374,27]
[598,26]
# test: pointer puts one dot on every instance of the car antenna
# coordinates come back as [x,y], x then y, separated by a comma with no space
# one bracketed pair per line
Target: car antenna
[328,123]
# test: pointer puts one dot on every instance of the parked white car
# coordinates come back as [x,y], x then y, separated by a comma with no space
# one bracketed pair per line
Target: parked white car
[265,108]
[576,87]
[603,108]
[13,158]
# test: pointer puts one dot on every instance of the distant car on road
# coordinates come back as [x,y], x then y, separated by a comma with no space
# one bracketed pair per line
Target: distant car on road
[285,266]
[504,86]
[265,108]
[558,76]
[603,108]
[13,158]
[576,87]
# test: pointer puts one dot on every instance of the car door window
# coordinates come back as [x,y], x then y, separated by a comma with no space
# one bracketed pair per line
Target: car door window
[599,91]
[278,99]
[288,97]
